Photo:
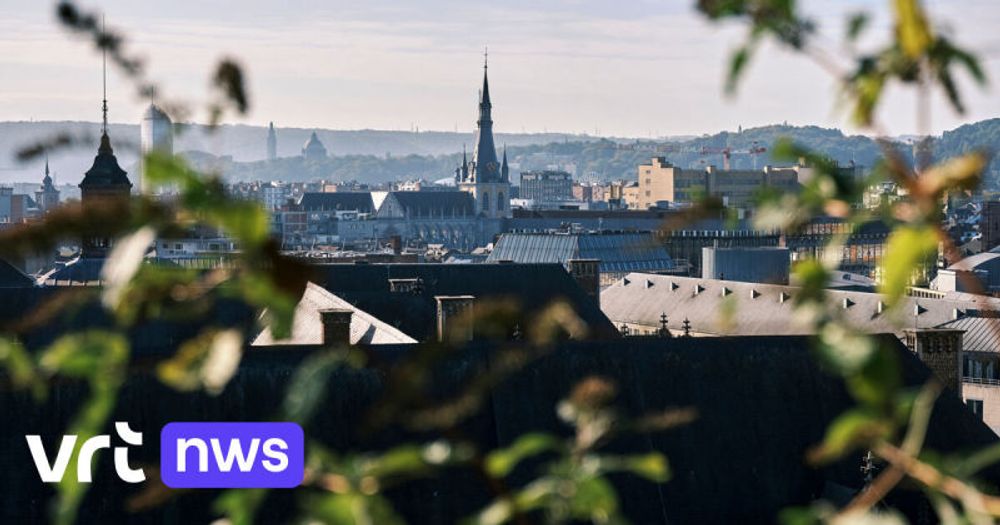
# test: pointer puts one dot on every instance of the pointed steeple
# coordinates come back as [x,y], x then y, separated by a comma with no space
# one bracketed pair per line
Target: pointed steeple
[504,169]
[105,172]
[484,158]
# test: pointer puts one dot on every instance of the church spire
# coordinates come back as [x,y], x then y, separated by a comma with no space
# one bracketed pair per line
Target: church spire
[104,73]
[484,158]
[504,169]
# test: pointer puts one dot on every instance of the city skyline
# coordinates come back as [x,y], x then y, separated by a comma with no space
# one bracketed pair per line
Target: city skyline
[389,67]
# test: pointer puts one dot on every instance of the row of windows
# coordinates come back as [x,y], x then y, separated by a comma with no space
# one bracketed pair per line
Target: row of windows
[500,201]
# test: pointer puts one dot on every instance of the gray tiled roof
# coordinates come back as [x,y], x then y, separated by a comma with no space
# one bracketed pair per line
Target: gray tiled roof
[436,202]
[333,201]
[737,308]
[308,327]
[618,252]
[982,334]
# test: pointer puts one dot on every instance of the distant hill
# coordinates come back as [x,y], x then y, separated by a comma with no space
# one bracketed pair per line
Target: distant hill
[242,143]
[379,156]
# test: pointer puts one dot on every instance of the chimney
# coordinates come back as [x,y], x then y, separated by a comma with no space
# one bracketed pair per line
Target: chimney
[587,274]
[396,242]
[454,317]
[941,350]
[336,326]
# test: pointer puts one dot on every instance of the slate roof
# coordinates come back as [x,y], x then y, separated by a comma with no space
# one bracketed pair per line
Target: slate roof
[762,403]
[11,277]
[438,203]
[737,308]
[618,252]
[982,333]
[337,201]
[105,170]
[81,271]
[532,286]
[308,327]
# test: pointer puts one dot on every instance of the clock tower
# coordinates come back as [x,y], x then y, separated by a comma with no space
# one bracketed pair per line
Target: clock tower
[485,176]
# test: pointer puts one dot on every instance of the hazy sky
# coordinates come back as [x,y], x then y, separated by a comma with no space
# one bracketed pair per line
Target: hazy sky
[621,68]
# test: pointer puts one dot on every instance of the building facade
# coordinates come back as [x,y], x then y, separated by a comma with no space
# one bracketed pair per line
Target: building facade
[547,185]
[661,181]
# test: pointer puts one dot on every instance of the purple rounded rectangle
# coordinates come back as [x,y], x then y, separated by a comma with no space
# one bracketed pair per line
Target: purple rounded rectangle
[232,455]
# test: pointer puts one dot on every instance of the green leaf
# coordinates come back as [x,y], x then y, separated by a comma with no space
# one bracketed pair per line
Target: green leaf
[595,499]
[878,380]
[101,358]
[908,249]
[21,367]
[850,430]
[207,361]
[737,64]
[652,466]
[912,29]
[501,462]
[240,505]
[855,25]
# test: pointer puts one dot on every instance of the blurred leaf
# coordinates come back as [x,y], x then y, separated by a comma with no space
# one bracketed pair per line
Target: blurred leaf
[123,262]
[229,80]
[652,466]
[350,509]
[501,462]
[737,64]
[100,357]
[876,383]
[855,25]
[208,361]
[964,172]
[595,500]
[844,348]
[21,367]
[240,505]
[850,430]
[912,29]
[307,389]
[908,249]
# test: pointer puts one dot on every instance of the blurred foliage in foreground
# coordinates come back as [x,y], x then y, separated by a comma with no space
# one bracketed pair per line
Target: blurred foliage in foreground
[572,483]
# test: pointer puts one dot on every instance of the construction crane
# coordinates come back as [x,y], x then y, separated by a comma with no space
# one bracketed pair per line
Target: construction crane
[727,153]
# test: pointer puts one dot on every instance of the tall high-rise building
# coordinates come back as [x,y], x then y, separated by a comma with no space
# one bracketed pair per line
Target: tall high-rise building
[272,142]
[485,177]
[47,197]
[156,134]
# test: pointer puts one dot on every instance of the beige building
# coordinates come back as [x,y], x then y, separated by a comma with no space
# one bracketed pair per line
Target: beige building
[661,181]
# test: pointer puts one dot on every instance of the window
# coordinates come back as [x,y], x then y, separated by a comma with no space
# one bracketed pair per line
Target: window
[486,201]
[500,203]
[976,406]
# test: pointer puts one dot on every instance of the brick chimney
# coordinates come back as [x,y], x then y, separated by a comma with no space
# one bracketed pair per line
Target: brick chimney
[587,274]
[454,317]
[941,350]
[336,326]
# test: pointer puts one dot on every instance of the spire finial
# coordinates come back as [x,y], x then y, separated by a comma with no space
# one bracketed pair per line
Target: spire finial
[486,57]
[46,164]
[104,72]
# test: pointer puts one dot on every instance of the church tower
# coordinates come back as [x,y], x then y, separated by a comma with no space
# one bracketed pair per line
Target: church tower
[104,182]
[272,142]
[484,176]
[48,196]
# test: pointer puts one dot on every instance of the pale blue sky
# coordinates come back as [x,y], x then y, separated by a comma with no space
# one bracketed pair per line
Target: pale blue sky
[622,68]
